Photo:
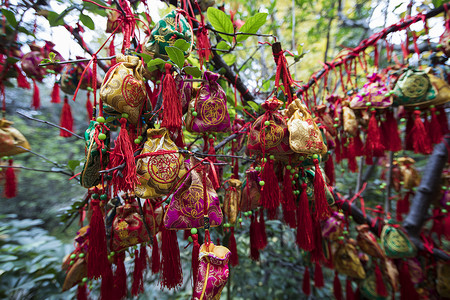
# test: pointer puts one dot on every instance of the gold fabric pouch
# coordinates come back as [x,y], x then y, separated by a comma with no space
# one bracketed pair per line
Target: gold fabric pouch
[350,122]
[11,139]
[409,174]
[158,174]
[367,242]
[304,134]
[346,261]
[232,200]
[123,87]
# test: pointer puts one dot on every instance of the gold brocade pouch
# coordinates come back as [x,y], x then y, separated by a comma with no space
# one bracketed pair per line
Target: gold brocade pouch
[391,273]
[251,192]
[409,174]
[367,242]
[90,175]
[304,134]
[11,139]
[396,243]
[158,173]
[443,279]
[128,227]
[123,87]
[232,200]
[350,122]
[346,261]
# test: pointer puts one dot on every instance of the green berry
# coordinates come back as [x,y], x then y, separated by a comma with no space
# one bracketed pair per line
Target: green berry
[264,160]
[402,120]
[439,46]
[140,137]
[335,125]
[190,239]
[296,176]
[246,214]
[345,232]
[234,140]
[250,213]
[315,156]
[84,280]
[102,136]
[112,253]
[192,109]
[293,181]
[437,113]
[100,119]
[368,104]
[288,167]
[194,113]
[444,188]
[240,220]
[258,169]
[444,211]
[272,157]
[125,116]
[267,123]
[341,238]
[103,197]
[137,141]
[73,256]
[194,231]
[372,109]
[71,262]
[292,171]
[336,119]
[104,150]
[447,203]
[211,136]
[81,255]
[262,183]
[95,196]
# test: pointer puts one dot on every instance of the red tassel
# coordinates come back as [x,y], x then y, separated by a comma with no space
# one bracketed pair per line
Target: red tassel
[288,202]
[306,287]
[438,225]
[289,216]
[391,135]
[409,138]
[304,237]
[66,120]
[234,259]
[374,146]
[337,288]
[321,205]
[112,51]
[235,169]
[442,117]
[171,273]
[358,145]
[380,286]
[352,165]
[435,132]
[421,141]
[407,288]
[56,98]
[317,252]
[97,256]
[338,150]
[270,192]
[195,259]
[89,108]
[329,169]
[36,104]
[82,292]
[123,152]
[172,114]
[107,286]
[254,252]
[120,277]
[22,81]
[349,290]
[156,260]
[318,276]
[10,182]
[203,45]
[138,285]
[262,231]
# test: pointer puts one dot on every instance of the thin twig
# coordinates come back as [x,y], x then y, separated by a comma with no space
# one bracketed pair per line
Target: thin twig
[241,33]
[38,170]
[41,156]
[51,124]
[75,61]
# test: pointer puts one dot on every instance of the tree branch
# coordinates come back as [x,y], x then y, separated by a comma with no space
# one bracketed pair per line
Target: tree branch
[51,124]
[39,170]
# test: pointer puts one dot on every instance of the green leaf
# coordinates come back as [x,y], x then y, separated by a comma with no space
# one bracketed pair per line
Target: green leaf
[146,57]
[222,45]
[54,19]
[253,105]
[51,56]
[153,64]
[110,119]
[252,25]
[229,58]
[87,21]
[12,60]
[9,15]
[194,71]
[176,56]
[221,22]
[182,45]
[72,164]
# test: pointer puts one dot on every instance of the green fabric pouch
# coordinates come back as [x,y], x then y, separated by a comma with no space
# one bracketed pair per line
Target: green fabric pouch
[413,88]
